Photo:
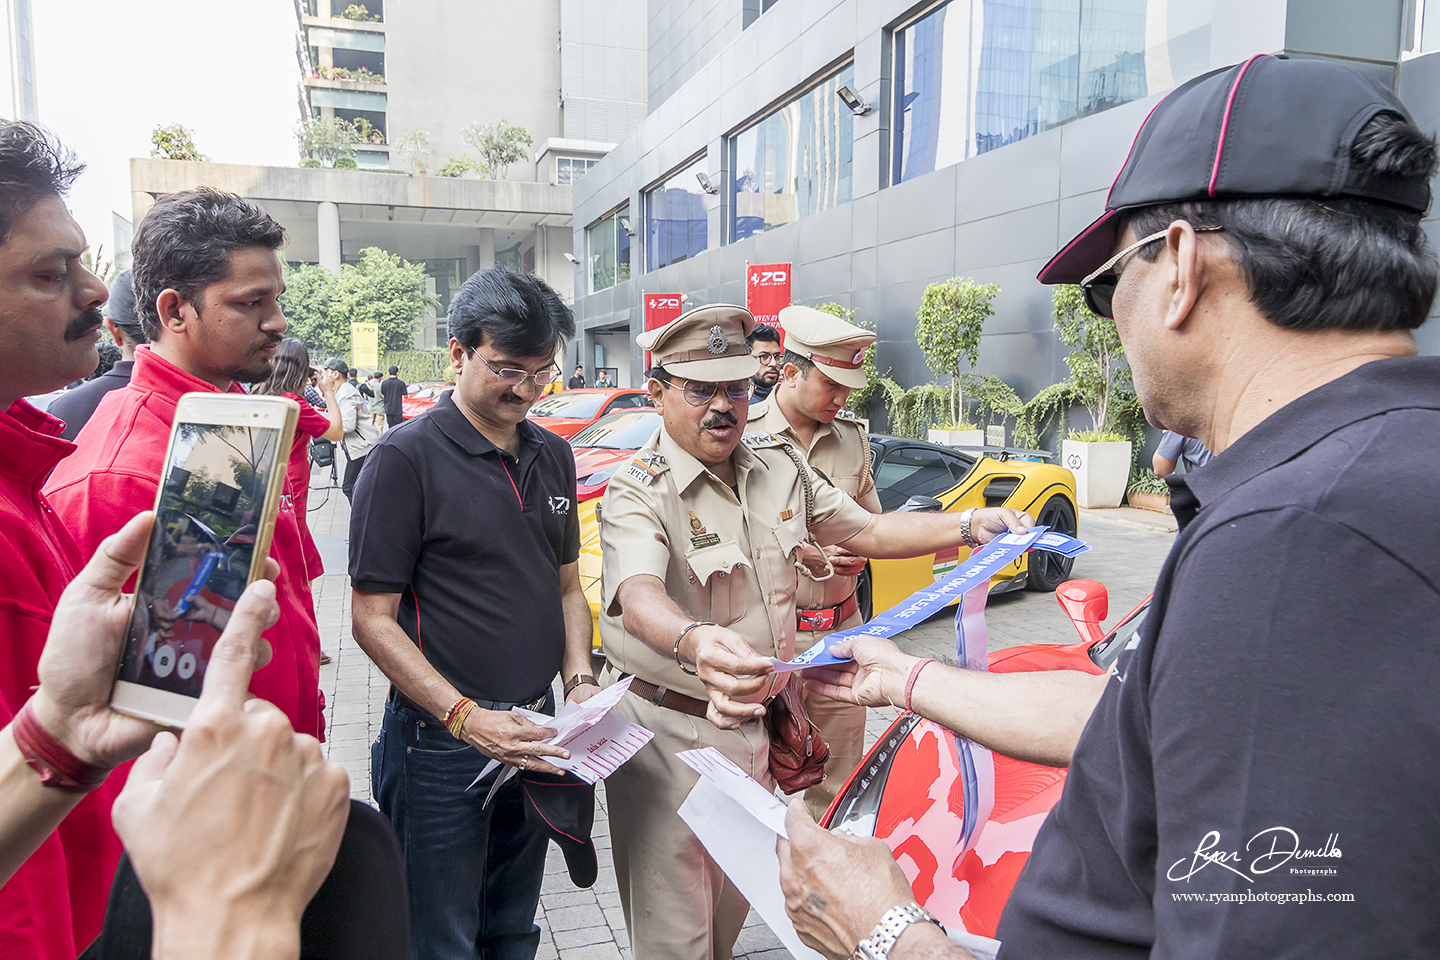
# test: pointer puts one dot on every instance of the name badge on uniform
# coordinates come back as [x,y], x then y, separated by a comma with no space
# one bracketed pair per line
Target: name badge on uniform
[645,467]
[698,536]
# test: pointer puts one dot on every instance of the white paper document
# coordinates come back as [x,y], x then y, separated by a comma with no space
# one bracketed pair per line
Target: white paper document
[737,820]
[598,740]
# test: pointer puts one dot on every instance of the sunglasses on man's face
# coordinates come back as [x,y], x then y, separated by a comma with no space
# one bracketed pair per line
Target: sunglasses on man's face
[1099,288]
[698,393]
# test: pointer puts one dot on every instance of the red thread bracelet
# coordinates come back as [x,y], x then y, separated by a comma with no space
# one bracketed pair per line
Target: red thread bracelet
[910,681]
[57,766]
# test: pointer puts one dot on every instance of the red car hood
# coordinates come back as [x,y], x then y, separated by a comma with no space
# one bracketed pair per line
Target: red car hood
[566,427]
[597,463]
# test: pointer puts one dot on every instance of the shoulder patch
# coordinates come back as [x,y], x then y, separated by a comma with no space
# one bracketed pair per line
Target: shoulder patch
[646,467]
[762,440]
[846,415]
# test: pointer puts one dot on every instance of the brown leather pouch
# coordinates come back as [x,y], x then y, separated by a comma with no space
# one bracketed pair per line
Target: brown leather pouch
[797,750]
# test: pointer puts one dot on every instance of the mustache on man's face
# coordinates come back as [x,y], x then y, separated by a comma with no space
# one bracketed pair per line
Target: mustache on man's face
[723,419]
[83,324]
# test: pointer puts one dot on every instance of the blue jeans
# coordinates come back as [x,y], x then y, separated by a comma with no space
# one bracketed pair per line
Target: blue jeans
[474,872]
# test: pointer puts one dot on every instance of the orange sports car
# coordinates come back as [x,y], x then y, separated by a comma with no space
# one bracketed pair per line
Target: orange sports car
[570,411]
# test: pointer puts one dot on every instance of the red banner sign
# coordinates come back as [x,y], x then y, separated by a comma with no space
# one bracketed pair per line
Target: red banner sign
[660,309]
[767,292]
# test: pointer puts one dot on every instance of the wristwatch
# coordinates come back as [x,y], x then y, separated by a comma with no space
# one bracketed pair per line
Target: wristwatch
[965,532]
[882,939]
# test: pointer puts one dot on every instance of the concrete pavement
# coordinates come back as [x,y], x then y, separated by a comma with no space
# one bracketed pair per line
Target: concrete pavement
[588,924]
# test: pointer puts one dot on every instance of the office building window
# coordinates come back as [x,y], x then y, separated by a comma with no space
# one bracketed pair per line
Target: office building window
[569,170]
[974,75]
[676,225]
[793,162]
[609,251]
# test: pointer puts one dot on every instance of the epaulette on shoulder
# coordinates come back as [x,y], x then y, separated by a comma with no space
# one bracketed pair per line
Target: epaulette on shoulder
[758,411]
[763,440]
[846,415]
[646,467]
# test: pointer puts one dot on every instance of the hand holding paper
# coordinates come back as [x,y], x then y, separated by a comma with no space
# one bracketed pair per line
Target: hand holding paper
[598,740]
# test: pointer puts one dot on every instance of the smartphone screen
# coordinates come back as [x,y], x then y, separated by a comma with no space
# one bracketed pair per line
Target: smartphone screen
[209,521]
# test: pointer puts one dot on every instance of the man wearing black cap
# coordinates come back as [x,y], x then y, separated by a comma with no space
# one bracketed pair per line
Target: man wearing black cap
[75,406]
[360,430]
[1262,255]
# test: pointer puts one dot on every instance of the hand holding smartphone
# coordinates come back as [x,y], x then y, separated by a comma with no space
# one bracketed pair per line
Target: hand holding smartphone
[220,489]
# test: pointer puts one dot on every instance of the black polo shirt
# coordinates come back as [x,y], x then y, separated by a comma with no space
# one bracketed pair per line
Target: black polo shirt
[473,541]
[76,406]
[1259,778]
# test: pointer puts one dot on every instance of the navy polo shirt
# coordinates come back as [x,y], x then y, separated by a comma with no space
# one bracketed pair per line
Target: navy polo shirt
[473,540]
[1259,777]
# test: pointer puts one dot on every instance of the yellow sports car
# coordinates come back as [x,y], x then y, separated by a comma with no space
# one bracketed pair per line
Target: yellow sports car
[918,475]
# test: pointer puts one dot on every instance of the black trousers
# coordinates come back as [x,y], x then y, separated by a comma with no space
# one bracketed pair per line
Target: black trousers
[352,471]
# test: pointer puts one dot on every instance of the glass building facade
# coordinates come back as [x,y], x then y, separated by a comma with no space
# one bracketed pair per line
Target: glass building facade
[676,226]
[793,162]
[608,246]
[974,75]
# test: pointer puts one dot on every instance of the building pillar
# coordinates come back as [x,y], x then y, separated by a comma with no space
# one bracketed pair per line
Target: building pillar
[484,248]
[327,220]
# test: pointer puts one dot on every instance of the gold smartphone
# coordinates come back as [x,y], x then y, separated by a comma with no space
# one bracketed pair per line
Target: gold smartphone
[224,474]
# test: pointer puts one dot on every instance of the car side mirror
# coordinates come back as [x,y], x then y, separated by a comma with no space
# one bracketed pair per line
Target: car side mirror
[920,505]
[1088,604]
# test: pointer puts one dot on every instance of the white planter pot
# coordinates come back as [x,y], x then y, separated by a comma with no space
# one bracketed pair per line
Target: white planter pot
[958,438]
[1100,469]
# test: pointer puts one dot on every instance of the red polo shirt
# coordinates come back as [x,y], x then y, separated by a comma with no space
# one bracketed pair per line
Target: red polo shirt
[115,474]
[52,903]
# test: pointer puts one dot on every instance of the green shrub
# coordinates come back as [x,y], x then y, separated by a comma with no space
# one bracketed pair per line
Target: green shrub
[346,163]
[309,162]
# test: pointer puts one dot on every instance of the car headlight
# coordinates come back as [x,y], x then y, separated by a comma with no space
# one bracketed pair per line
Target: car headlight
[858,807]
[599,476]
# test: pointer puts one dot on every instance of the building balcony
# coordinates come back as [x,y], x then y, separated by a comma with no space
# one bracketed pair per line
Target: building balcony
[320,82]
[342,23]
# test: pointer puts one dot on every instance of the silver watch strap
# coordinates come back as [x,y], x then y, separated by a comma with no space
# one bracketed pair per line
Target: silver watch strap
[965,534]
[882,939]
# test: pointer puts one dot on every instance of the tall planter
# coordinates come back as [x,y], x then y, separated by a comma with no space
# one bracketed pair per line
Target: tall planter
[1101,471]
[957,438]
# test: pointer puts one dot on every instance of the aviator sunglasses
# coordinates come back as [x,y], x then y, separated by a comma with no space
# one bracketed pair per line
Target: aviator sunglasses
[698,393]
[1099,287]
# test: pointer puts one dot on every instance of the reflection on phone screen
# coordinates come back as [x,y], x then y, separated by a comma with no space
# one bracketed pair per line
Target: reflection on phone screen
[201,548]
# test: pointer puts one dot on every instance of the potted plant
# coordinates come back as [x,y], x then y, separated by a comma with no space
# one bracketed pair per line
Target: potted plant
[947,329]
[1149,492]
[1100,381]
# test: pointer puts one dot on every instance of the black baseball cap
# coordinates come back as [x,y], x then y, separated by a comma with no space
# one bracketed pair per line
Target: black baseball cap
[563,808]
[120,308]
[1268,127]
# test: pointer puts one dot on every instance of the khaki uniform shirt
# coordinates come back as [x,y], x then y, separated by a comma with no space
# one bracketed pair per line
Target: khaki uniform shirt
[839,452]
[725,559]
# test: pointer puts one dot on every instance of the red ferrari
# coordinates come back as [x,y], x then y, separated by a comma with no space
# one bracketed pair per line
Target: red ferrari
[421,397]
[920,789]
[607,445]
[570,411]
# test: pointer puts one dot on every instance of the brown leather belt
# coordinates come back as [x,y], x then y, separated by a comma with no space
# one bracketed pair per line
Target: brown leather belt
[665,697]
[827,618]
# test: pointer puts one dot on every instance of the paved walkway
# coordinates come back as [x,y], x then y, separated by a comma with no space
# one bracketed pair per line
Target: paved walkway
[588,924]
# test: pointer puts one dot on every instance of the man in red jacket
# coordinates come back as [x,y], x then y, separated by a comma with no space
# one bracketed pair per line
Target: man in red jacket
[206,281]
[50,323]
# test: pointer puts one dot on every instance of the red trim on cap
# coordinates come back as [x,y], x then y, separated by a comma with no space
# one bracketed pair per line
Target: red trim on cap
[1056,261]
[1225,124]
[1133,140]
[844,365]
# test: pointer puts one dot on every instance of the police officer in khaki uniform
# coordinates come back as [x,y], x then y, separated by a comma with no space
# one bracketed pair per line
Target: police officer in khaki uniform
[822,363]
[700,534]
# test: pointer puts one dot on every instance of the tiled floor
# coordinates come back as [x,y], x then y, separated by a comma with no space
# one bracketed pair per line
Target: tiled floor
[588,924]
